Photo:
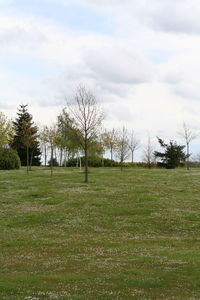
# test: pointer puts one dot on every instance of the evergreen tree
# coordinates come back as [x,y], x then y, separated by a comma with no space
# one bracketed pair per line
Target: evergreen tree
[25,140]
[172,156]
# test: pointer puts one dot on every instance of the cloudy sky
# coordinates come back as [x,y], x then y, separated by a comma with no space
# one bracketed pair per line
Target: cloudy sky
[140,57]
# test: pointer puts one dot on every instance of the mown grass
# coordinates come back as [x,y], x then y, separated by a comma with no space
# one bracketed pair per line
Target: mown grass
[126,235]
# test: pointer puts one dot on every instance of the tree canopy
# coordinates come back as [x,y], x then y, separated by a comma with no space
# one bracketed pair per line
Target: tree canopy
[6,130]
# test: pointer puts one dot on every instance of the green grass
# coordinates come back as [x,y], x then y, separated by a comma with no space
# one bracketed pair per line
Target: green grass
[126,235]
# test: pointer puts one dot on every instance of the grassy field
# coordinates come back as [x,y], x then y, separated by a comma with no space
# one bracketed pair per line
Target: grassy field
[133,234]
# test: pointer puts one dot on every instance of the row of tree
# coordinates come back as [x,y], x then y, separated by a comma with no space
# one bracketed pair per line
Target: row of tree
[78,133]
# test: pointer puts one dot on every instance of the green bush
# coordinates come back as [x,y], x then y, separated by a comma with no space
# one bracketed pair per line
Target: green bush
[93,161]
[54,163]
[9,159]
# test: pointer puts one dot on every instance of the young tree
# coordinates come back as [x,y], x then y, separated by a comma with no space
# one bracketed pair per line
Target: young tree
[67,135]
[133,144]
[148,155]
[43,136]
[188,135]
[87,118]
[6,130]
[51,137]
[122,146]
[23,125]
[110,139]
[172,156]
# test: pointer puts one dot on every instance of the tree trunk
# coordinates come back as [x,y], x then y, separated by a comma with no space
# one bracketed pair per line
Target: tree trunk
[111,155]
[65,162]
[31,160]
[55,154]
[45,155]
[51,160]
[61,154]
[27,159]
[86,161]
[102,161]
[132,156]
[187,159]
[121,165]
[77,160]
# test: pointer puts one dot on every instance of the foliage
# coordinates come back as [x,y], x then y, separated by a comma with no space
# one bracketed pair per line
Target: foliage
[93,161]
[110,140]
[173,155]
[67,137]
[9,159]
[6,130]
[43,137]
[122,146]
[139,165]
[26,138]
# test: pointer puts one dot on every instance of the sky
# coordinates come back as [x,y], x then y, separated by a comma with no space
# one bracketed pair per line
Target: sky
[139,57]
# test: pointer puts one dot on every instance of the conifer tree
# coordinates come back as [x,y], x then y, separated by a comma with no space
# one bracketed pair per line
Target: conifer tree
[172,156]
[25,140]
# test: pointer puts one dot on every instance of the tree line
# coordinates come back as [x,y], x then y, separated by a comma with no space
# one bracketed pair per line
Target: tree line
[78,135]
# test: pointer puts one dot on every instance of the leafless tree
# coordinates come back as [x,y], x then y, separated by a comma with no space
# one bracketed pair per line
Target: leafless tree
[87,118]
[148,151]
[188,135]
[133,144]
[122,146]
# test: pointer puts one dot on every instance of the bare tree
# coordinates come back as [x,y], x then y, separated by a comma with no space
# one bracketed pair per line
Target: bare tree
[188,135]
[133,144]
[87,118]
[148,151]
[110,139]
[122,146]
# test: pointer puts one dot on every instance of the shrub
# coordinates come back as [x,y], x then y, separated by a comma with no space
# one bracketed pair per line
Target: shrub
[54,162]
[9,159]
[93,161]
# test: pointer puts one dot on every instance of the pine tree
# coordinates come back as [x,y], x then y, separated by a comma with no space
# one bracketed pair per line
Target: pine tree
[25,139]
[173,155]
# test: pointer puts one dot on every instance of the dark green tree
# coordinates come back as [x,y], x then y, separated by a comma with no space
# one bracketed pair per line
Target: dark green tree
[25,140]
[173,155]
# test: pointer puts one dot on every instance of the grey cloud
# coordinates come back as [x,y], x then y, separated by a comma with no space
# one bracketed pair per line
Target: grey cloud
[179,16]
[118,66]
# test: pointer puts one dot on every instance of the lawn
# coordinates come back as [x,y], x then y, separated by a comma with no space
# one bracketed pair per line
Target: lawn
[133,234]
